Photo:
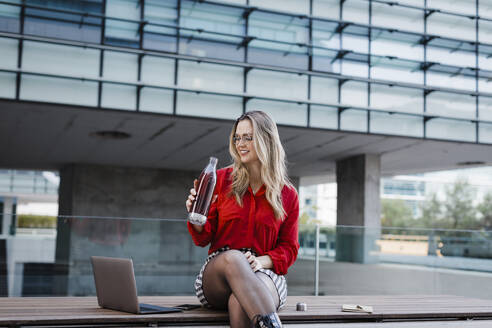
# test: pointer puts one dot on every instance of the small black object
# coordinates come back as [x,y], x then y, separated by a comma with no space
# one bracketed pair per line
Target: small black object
[186,307]
[301,306]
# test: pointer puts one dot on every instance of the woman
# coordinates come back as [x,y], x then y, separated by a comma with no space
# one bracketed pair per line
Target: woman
[251,227]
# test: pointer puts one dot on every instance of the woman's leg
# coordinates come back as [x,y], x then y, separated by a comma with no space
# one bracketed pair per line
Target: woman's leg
[230,272]
[237,317]
[271,287]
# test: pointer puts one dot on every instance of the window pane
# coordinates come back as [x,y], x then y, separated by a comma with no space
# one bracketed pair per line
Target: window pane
[354,93]
[62,60]
[326,8]
[9,17]
[57,90]
[353,120]
[44,22]
[122,33]
[8,55]
[451,26]
[324,36]
[206,105]
[449,104]
[158,37]
[398,17]
[324,90]
[354,68]
[450,130]
[281,112]
[485,31]
[210,76]
[120,66]
[484,57]
[157,70]
[296,6]
[485,8]
[356,11]
[485,85]
[156,100]
[238,2]
[450,81]
[397,98]
[415,3]
[388,47]
[485,66]
[485,132]
[397,124]
[213,49]
[7,85]
[118,96]
[277,84]
[396,70]
[211,18]
[324,61]
[324,117]
[280,28]
[455,58]
[465,7]
[123,9]
[357,43]
[485,108]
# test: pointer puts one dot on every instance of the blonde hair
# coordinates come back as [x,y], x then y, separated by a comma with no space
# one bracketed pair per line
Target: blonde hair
[272,158]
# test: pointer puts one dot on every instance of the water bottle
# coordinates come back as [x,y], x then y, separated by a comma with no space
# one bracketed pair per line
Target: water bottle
[204,193]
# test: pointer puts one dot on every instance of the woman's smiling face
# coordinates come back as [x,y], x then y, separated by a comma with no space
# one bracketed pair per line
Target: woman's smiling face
[244,143]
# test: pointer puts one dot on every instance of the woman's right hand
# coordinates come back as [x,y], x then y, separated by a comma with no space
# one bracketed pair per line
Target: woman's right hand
[192,195]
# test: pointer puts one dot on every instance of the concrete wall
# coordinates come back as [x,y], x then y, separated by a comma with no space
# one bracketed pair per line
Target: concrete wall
[162,250]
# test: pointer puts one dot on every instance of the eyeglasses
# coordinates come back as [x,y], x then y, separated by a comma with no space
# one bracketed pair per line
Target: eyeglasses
[246,138]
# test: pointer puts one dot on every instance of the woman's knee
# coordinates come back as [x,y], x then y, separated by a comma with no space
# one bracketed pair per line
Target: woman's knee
[233,260]
[232,256]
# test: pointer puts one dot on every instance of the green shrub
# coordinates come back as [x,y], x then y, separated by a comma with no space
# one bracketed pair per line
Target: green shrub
[36,221]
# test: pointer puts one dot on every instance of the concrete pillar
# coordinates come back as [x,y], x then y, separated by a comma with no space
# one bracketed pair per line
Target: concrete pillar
[296,181]
[358,208]
[8,215]
[166,260]
[8,219]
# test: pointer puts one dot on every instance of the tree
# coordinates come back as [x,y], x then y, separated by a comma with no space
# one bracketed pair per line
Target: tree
[395,213]
[485,211]
[431,213]
[459,211]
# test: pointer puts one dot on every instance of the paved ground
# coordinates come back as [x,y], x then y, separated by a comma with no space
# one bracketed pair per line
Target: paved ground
[341,278]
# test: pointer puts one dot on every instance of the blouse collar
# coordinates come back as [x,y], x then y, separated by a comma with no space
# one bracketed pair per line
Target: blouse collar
[260,191]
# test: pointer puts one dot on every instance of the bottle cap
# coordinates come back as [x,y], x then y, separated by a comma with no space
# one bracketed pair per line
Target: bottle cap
[301,306]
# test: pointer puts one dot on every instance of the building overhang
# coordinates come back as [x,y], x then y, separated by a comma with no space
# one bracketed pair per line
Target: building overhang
[49,136]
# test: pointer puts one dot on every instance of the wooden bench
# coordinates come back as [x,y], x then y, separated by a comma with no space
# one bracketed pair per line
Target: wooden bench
[68,311]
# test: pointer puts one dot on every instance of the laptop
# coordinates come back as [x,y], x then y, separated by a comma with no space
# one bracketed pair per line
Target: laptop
[116,288]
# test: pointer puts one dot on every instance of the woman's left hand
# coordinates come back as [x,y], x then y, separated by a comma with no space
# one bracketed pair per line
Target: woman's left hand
[253,261]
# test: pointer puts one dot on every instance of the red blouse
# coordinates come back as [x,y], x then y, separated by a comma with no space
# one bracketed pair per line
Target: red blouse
[252,226]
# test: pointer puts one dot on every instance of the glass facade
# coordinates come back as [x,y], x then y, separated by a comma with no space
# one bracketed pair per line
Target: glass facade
[410,68]
[28,182]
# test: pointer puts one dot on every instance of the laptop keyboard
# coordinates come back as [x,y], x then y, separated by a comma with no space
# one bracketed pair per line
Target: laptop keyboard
[144,308]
